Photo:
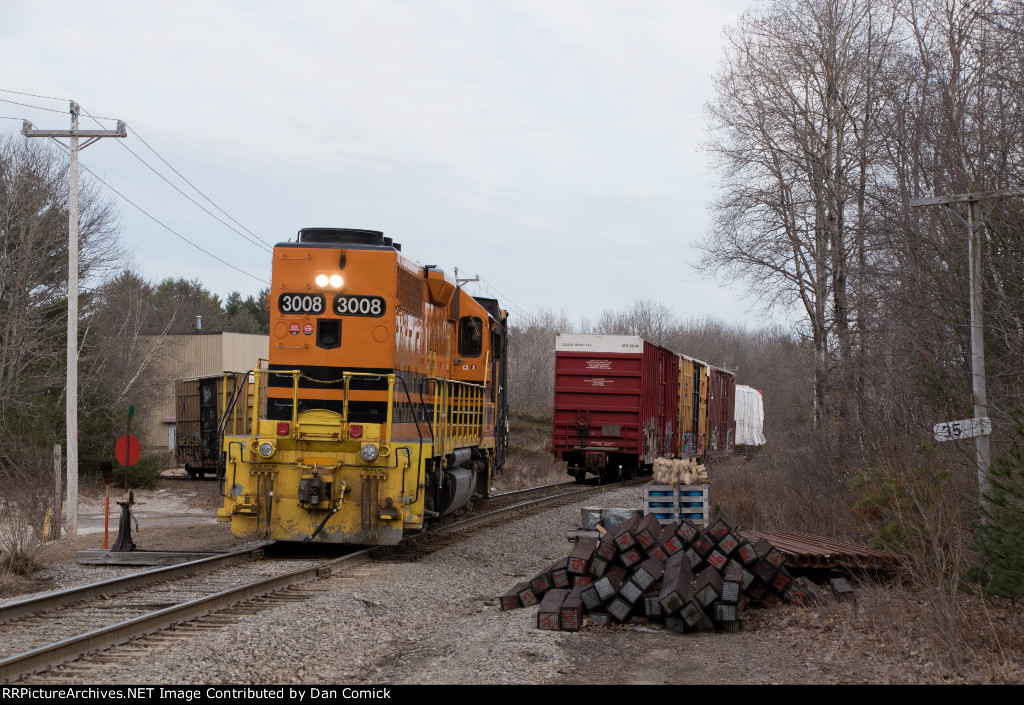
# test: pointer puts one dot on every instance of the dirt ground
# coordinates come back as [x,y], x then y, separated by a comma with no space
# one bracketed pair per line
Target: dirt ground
[887,636]
[179,514]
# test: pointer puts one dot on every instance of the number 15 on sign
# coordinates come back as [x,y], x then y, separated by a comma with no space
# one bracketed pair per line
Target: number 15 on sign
[968,428]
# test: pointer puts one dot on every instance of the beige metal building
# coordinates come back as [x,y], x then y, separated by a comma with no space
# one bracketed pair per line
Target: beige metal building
[180,356]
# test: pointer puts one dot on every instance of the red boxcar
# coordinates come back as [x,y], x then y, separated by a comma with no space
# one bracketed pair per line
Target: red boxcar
[616,404]
[721,410]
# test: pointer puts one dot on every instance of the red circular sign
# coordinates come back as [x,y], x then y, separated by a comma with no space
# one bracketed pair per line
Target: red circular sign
[308,329]
[127,450]
[293,329]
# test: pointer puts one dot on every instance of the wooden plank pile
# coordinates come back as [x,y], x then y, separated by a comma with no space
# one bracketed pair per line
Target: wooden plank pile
[679,471]
[677,575]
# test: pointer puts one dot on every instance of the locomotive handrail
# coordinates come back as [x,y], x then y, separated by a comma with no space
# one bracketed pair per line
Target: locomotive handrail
[391,408]
[344,403]
[458,413]
[257,377]
[423,408]
[295,403]
[229,408]
[345,380]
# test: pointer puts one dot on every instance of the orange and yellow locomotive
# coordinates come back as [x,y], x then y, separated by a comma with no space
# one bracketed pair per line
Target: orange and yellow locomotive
[382,407]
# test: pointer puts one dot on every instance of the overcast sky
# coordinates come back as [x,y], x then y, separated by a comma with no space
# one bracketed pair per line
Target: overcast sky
[550,147]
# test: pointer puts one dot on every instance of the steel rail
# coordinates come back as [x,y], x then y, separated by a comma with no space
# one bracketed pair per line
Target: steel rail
[44,603]
[533,489]
[75,647]
[487,517]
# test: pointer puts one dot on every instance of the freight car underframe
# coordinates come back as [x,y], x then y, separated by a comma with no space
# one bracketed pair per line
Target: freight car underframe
[323,476]
[605,463]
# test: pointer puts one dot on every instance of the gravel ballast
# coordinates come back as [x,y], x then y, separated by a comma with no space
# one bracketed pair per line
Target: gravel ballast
[436,620]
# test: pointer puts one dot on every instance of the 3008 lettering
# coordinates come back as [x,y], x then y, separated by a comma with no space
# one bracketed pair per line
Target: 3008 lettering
[300,303]
[359,305]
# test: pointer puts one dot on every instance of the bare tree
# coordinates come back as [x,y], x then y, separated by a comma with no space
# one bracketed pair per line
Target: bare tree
[119,359]
[33,274]
[531,372]
[950,120]
[793,131]
[649,319]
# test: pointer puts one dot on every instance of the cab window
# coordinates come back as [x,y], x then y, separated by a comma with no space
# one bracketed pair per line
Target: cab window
[497,343]
[471,336]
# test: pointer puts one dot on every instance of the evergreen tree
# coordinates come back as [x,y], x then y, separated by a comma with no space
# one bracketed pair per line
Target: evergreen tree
[1000,543]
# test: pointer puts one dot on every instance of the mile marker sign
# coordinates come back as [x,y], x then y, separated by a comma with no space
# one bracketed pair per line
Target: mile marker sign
[968,428]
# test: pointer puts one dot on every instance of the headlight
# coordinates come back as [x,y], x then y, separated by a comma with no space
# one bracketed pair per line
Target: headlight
[321,280]
[369,452]
[266,449]
[337,281]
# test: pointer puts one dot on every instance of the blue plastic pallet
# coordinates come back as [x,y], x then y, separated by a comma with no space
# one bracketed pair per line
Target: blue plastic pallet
[677,502]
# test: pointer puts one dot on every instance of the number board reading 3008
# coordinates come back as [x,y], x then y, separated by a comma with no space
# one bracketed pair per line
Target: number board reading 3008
[343,305]
[301,303]
[358,305]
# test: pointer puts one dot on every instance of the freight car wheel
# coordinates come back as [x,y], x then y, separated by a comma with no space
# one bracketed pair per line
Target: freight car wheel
[191,472]
[581,475]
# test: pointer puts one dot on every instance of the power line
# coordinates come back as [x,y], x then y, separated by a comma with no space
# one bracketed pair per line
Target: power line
[172,230]
[500,295]
[489,288]
[33,95]
[29,105]
[167,227]
[136,133]
[258,242]
[255,239]
[100,117]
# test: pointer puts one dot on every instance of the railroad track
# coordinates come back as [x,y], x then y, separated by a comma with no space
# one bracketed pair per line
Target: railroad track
[510,503]
[209,593]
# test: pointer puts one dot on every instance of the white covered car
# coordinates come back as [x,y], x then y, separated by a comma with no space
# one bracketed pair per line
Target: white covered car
[749,416]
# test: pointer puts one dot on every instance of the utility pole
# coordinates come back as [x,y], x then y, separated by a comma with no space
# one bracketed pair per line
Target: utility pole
[71,405]
[982,448]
